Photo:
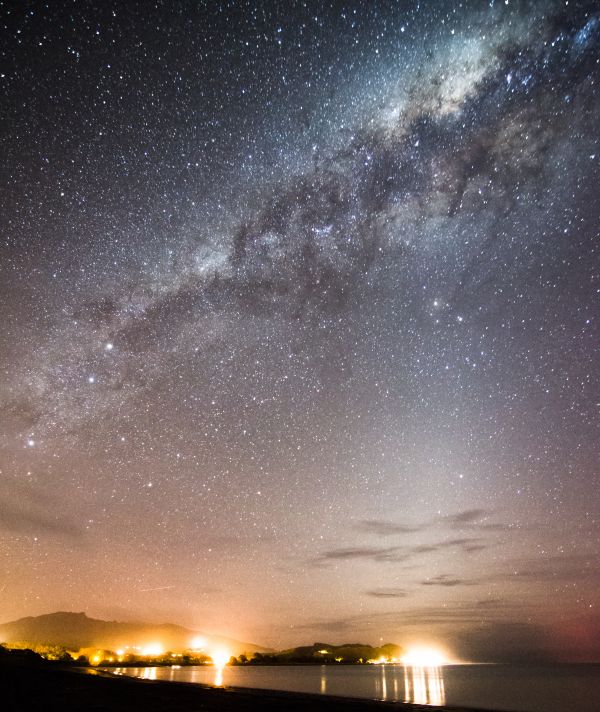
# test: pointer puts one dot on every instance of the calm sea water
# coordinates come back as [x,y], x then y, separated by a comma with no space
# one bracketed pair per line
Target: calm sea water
[559,688]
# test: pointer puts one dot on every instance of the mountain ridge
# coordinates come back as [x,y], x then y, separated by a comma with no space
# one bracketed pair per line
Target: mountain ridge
[75,630]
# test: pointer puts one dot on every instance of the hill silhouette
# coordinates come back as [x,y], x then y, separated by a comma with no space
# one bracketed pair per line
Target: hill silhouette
[326,652]
[75,631]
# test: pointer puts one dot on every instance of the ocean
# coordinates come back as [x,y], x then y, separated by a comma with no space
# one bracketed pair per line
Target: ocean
[511,688]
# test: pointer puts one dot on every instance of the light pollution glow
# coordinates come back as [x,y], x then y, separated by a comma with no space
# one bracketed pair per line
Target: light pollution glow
[424,657]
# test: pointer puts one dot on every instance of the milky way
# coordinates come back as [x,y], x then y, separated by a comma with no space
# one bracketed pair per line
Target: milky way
[299,308]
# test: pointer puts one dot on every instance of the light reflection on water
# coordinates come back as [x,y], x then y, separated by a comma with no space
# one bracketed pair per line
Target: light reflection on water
[393,683]
[424,685]
[549,688]
[219,676]
[323,686]
[421,685]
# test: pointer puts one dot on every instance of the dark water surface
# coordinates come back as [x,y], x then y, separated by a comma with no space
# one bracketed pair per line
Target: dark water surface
[556,688]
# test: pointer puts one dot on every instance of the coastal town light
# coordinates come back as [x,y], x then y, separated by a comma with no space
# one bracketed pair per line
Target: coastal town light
[424,657]
[220,657]
[153,649]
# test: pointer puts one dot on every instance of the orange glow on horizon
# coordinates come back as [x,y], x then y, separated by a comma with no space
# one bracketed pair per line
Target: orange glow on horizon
[424,657]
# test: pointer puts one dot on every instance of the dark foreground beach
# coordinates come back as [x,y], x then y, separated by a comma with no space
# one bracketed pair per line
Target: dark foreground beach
[25,688]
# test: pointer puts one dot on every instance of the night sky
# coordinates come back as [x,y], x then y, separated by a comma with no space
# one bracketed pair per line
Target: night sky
[299,319]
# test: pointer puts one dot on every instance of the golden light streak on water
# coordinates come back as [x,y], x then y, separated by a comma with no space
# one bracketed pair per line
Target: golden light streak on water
[424,685]
[219,676]
[323,686]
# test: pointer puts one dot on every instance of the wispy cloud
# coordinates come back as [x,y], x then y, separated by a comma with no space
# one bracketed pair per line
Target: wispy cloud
[447,580]
[563,568]
[467,517]
[376,553]
[470,519]
[397,553]
[26,510]
[28,519]
[384,528]
[387,593]
[461,615]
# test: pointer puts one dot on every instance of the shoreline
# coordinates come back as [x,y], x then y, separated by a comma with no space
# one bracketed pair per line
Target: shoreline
[40,687]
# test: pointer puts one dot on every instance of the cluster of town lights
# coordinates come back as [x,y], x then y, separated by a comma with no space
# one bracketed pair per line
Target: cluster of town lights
[219,657]
[414,657]
[418,657]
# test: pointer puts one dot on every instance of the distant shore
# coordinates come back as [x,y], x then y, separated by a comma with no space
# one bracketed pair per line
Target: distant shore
[29,688]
